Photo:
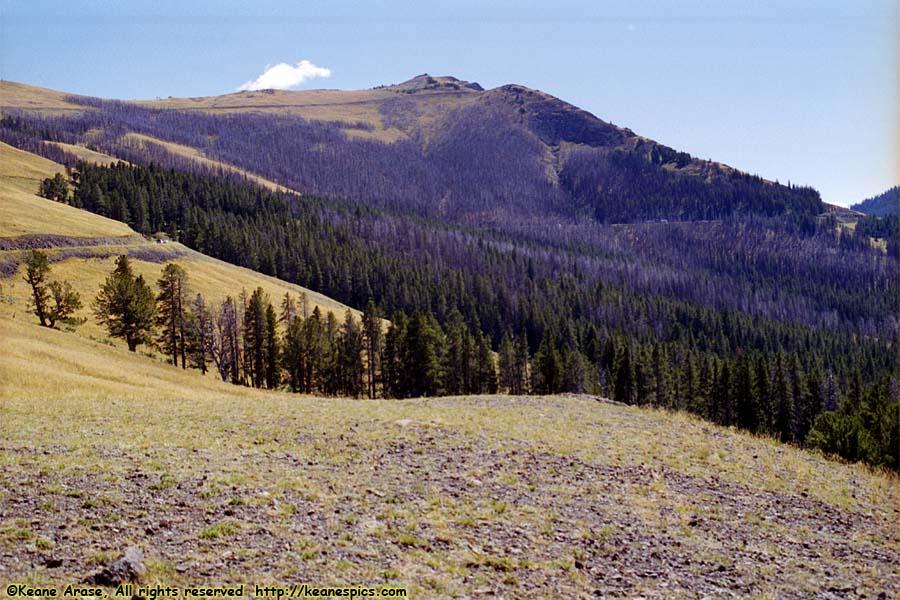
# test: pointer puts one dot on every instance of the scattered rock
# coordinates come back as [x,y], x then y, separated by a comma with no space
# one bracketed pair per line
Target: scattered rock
[128,567]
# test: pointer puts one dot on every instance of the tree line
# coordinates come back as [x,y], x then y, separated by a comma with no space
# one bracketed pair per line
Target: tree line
[730,290]
[250,342]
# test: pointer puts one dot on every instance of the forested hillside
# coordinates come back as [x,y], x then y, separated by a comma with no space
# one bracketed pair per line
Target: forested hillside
[742,321]
[504,157]
[883,205]
[588,257]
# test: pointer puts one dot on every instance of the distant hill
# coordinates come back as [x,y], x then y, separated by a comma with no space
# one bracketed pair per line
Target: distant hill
[437,147]
[882,205]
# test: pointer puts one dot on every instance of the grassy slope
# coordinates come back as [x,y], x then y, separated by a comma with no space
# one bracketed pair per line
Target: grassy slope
[199,157]
[97,241]
[29,97]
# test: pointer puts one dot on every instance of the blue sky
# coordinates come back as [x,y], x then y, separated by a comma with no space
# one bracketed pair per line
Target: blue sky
[799,90]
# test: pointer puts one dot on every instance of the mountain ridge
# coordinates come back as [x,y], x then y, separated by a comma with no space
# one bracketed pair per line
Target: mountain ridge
[559,125]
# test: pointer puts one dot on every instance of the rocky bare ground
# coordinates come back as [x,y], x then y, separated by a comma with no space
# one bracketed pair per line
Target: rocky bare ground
[437,502]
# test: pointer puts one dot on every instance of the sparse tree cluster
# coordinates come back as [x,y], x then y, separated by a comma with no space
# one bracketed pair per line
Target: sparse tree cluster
[53,301]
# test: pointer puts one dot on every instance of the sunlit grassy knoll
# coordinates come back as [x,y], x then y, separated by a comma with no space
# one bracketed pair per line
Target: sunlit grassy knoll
[22,212]
[29,97]
[87,154]
[50,366]
[350,106]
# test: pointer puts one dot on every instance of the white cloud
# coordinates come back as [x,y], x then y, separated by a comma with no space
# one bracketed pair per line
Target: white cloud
[284,76]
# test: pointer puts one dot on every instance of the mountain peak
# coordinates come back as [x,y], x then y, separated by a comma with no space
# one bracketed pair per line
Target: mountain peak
[432,83]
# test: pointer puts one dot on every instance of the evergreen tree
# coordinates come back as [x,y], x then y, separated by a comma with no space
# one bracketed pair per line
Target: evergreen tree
[227,342]
[783,402]
[395,385]
[521,373]
[172,312]
[764,395]
[548,371]
[350,349]
[273,349]
[295,356]
[745,396]
[374,344]
[55,188]
[330,360]
[460,359]
[36,269]
[507,364]
[485,368]
[125,305]
[288,308]
[53,302]
[798,392]
[200,334]
[576,373]
[256,337]
[423,357]
[313,342]
[641,379]
[624,384]
[660,376]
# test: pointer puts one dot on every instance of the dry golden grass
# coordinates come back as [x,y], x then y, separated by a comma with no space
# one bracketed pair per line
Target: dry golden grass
[327,105]
[87,154]
[40,364]
[23,212]
[29,97]
[199,157]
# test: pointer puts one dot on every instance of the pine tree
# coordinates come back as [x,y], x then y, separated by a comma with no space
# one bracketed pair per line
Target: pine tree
[395,385]
[423,356]
[576,373]
[172,312]
[350,348]
[548,371]
[53,302]
[624,384]
[330,360]
[660,376]
[55,188]
[288,308]
[783,402]
[641,379]
[374,345]
[256,337]
[764,395]
[273,350]
[486,371]
[521,373]
[507,364]
[313,333]
[125,305]
[227,342]
[745,396]
[294,356]
[36,269]
[200,334]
